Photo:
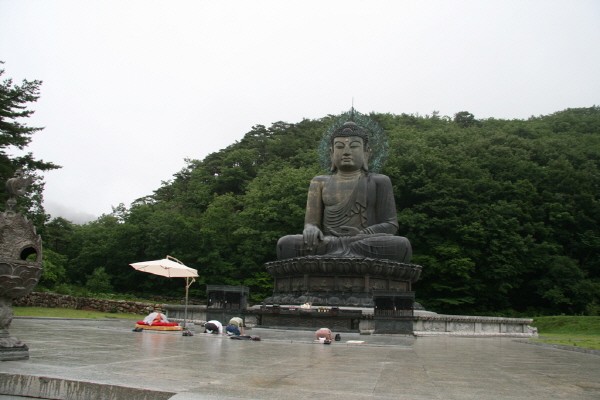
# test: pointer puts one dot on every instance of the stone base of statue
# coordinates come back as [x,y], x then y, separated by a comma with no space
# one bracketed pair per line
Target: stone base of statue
[338,281]
[11,348]
[339,292]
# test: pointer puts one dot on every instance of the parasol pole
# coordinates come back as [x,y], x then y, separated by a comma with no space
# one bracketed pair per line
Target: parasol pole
[187,288]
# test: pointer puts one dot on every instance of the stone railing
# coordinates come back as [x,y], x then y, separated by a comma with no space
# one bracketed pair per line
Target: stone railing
[465,325]
[52,300]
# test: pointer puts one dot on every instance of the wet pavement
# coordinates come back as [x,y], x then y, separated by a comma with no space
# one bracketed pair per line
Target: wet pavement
[104,359]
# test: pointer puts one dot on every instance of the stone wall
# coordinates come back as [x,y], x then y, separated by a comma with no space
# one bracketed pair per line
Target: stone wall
[433,324]
[192,301]
[52,300]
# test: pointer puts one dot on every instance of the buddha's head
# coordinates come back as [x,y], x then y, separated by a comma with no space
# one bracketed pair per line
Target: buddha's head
[349,148]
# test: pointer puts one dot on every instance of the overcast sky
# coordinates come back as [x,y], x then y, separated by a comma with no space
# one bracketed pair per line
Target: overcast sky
[132,88]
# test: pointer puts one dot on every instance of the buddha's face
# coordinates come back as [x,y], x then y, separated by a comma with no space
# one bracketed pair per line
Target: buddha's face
[348,153]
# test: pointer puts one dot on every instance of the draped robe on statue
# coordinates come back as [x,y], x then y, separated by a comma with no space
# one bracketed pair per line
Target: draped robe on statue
[369,207]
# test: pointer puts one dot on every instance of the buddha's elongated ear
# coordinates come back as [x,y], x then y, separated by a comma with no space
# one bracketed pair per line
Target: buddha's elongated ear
[332,168]
[365,165]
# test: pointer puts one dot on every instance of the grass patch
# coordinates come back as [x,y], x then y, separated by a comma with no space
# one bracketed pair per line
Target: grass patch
[571,331]
[588,343]
[569,336]
[69,313]
[567,325]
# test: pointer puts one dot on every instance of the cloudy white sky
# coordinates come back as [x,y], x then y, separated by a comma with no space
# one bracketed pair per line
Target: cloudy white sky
[132,88]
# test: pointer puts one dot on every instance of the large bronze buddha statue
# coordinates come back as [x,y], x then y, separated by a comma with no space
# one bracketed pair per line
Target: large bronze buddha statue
[348,253]
[352,212]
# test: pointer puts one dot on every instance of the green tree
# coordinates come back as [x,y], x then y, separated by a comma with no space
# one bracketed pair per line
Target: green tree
[464,119]
[502,215]
[99,281]
[14,134]
[57,235]
[55,271]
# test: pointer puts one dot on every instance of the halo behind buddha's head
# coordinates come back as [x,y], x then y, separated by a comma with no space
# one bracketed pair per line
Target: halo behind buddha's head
[352,123]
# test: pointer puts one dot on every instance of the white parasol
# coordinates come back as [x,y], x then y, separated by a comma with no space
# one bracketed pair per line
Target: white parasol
[171,268]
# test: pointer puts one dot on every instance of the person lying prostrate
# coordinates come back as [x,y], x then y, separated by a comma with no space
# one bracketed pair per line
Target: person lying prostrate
[155,317]
[213,326]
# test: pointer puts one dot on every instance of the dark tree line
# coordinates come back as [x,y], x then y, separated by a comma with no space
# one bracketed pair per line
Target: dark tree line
[502,214]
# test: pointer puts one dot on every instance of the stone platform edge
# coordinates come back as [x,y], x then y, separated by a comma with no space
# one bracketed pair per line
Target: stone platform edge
[64,389]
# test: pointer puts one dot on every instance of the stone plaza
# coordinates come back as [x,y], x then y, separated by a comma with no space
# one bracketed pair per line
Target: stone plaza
[104,359]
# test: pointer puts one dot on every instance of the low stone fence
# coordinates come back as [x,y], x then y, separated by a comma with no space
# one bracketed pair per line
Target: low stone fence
[466,325]
[175,313]
[192,301]
[53,300]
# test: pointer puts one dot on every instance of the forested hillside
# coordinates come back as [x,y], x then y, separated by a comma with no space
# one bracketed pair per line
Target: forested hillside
[502,214]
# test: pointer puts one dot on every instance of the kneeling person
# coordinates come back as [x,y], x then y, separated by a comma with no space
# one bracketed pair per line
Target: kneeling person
[213,326]
[236,326]
[233,330]
[324,333]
